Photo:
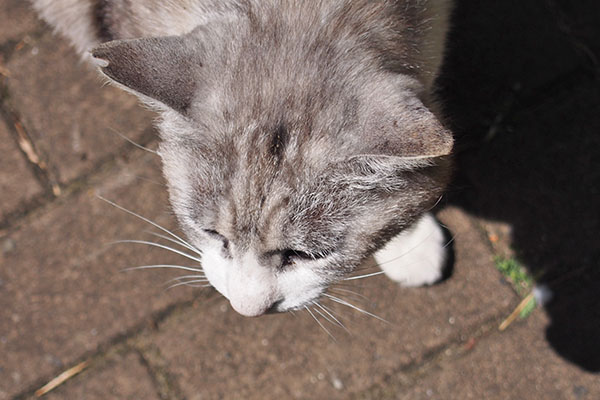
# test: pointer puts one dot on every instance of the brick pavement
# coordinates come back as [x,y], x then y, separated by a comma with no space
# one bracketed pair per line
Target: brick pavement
[64,299]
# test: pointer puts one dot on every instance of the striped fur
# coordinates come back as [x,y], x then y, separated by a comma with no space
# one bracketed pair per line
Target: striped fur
[291,129]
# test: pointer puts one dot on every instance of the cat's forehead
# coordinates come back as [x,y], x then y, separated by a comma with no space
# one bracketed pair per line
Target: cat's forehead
[270,170]
[249,183]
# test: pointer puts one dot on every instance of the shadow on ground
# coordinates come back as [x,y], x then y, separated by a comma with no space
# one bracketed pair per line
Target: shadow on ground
[522,90]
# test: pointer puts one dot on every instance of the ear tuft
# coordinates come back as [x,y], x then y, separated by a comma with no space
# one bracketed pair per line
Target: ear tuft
[163,68]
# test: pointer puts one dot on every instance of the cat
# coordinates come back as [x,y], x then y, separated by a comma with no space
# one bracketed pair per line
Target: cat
[298,137]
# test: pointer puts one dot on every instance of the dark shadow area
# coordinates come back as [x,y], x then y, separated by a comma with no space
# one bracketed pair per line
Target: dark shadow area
[521,87]
[448,269]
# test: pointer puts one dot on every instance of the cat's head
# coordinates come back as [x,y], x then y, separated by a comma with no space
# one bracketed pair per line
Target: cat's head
[287,165]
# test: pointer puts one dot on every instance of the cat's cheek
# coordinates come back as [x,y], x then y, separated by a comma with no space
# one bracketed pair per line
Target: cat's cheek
[300,287]
[215,267]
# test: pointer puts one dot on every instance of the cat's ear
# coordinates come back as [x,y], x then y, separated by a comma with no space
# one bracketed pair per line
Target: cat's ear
[400,136]
[160,69]
[408,130]
[386,173]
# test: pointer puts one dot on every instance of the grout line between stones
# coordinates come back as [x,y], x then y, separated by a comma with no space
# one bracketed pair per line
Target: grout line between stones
[164,383]
[38,164]
[168,389]
[117,343]
[410,374]
[77,185]
[35,160]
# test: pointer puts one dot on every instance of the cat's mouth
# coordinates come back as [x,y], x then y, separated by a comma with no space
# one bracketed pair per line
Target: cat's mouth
[276,308]
[259,306]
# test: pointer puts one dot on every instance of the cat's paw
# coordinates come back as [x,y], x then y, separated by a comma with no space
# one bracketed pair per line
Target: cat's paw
[417,256]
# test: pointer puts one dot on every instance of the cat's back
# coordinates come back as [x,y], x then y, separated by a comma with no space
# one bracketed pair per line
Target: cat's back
[88,23]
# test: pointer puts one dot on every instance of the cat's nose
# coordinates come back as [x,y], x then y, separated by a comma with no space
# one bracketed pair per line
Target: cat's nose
[253,299]
[252,307]
[251,288]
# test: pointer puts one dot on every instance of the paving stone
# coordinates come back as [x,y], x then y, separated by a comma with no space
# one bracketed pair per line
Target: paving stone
[516,364]
[67,111]
[500,237]
[215,353]
[16,20]
[63,293]
[122,379]
[17,182]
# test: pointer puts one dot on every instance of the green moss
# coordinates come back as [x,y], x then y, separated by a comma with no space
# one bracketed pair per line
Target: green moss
[522,282]
[515,273]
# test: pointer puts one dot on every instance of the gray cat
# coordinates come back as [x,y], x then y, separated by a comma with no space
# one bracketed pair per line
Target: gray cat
[298,136]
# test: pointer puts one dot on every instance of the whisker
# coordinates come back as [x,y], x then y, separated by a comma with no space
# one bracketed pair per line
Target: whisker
[319,322]
[351,278]
[336,289]
[353,285]
[436,203]
[409,250]
[139,146]
[187,277]
[450,241]
[326,318]
[154,224]
[152,181]
[189,283]
[345,303]
[396,258]
[161,246]
[326,311]
[332,312]
[364,268]
[191,248]
[163,266]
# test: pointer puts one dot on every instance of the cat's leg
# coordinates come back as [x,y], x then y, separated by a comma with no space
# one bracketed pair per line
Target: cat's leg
[416,256]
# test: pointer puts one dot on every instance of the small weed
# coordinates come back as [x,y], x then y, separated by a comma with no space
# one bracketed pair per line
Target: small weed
[520,279]
[515,273]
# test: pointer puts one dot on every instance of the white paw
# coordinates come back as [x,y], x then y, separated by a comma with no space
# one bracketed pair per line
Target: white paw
[416,256]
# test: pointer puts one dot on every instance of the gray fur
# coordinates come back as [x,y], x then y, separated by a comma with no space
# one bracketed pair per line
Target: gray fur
[290,124]
[161,68]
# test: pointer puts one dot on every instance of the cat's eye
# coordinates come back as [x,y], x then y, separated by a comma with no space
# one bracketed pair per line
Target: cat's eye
[217,235]
[289,256]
